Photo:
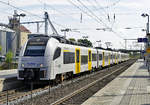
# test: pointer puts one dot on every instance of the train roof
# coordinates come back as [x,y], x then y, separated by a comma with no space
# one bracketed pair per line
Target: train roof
[61,39]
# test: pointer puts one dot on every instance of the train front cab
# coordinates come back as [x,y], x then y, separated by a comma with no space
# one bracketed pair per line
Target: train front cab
[32,65]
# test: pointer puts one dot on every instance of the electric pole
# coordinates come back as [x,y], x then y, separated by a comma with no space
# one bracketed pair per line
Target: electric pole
[37,23]
[126,42]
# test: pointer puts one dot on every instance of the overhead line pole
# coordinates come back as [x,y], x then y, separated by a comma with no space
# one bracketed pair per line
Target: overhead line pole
[126,42]
[37,22]
[46,23]
[51,25]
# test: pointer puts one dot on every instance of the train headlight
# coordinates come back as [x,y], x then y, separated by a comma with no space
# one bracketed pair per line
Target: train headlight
[41,65]
[22,65]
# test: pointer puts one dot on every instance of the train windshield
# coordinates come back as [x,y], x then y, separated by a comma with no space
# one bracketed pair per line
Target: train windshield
[36,47]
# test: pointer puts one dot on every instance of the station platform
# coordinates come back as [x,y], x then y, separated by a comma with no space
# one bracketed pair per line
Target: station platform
[8,73]
[8,79]
[132,87]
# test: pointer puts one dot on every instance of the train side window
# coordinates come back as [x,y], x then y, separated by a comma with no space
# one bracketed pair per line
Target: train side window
[100,56]
[69,57]
[94,57]
[114,56]
[84,59]
[57,53]
[106,57]
[78,54]
[111,56]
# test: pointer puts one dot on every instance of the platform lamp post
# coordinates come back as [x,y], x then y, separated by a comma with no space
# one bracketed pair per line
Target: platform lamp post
[85,37]
[20,15]
[147,29]
[99,43]
[65,30]
[146,15]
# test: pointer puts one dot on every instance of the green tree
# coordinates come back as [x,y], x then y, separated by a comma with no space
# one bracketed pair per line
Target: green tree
[72,39]
[9,57]
[86,42]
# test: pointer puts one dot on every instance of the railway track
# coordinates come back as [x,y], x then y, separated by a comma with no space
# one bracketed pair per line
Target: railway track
[76,94]
[11,95]
[55,93]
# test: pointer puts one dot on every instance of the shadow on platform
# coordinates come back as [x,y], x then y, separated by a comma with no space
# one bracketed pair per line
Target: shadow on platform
[111,95]
[136,76]
[143,67]
[145,104]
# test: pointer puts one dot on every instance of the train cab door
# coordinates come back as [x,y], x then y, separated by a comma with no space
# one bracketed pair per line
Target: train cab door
[89,60]
[77,60]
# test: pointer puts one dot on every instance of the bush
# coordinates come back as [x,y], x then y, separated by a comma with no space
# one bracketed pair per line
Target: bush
[9,57]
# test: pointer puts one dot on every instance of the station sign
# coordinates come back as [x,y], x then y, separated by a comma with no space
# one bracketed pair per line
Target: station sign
[140,40]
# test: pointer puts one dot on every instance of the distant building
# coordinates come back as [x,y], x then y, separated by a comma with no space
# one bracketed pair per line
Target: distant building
[14,37]
[7,40]
[21,31]
[24,34]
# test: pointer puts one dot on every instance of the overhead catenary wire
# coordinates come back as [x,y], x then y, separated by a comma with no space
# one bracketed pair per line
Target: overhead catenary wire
[90,15]
[106,25]
[20,9]
[94,5]
[113,4]
[28,12]
[99,20]
[98,5]
[95,17]
[49,6]
[83,11]
[53,8]
[107,13]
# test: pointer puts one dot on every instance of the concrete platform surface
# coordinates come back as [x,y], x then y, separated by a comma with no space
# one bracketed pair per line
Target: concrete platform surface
[132,87]
[8,79]
[8,73]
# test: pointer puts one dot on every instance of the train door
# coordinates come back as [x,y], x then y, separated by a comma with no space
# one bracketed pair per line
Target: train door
[77,60]
[103,64]
[109,58]
[89,60]
[115,57]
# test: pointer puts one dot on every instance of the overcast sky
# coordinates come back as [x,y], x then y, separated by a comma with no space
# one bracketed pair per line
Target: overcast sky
[103,14]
